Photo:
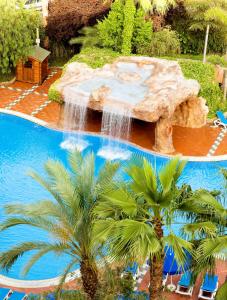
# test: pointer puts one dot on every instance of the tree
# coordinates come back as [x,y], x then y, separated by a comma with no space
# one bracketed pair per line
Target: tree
[17,34]
[207,15]
[132,218]
[68,217]
[125,29]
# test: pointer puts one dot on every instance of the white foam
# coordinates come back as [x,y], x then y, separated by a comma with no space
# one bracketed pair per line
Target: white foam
[74,143]
[110,153]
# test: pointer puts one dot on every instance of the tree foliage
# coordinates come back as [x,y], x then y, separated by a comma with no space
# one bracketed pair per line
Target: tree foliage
[132,218]
[203,13]
[124,29]
[192,41]
[17,32]
[67,218]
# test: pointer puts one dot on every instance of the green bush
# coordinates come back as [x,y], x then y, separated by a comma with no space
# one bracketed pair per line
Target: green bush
[53,94]
[128,26]
[210,90]
[17,33]
[115,30]
[164,42]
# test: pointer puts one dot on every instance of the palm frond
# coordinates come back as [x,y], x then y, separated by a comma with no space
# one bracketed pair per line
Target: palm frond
[9,257]
[56,248]
[199,230]
[179,246]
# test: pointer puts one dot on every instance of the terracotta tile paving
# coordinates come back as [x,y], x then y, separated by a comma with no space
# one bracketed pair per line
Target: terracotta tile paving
[29,103]
[21,85]
[7,96]
[50,114]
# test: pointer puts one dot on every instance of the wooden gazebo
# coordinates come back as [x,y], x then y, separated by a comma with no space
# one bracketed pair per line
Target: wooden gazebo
[35,68]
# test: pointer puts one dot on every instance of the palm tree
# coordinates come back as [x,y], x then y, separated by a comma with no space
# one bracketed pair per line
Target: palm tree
[133,217]
[207,15]
[67,218]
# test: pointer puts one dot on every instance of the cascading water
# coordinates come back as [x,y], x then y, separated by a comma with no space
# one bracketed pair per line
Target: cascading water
[116,125]
[75,111]
[116,89]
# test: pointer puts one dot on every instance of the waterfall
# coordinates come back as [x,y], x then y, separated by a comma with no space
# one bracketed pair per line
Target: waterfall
[75,112]
[116,125]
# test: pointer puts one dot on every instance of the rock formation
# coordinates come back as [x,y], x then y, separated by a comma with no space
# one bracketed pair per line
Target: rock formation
[154,90]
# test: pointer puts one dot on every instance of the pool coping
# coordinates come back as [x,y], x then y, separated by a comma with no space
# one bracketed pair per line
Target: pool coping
[37,284]
[188,158]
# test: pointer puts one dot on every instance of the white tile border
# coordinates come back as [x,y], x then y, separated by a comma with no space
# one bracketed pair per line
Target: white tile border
[189,158]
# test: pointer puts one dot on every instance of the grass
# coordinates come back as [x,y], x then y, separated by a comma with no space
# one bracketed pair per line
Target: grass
[95,57]
[191,65]
[210,90]
[212,58]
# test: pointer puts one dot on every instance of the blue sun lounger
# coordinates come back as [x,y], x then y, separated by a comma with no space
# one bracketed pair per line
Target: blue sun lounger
[209,287]
[221,121]
[184,286]
[18,296]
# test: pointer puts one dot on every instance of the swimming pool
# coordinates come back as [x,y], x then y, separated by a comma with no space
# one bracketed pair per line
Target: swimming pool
[24,146]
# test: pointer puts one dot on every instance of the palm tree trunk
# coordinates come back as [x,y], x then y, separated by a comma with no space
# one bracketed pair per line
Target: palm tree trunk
[156,265]
[89,277]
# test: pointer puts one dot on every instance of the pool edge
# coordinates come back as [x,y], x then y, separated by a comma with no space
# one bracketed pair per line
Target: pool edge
[47,125]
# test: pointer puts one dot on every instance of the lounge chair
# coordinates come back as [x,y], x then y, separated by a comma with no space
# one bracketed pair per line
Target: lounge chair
[184,286]
[9,294]
[17,296]
[221,121]
[209,287]
[164,280]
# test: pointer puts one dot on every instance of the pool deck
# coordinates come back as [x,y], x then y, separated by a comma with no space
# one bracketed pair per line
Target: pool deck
[32,100]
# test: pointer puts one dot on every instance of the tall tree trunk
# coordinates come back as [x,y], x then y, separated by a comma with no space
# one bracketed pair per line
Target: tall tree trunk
[129,17]
[156,265]
[206,44]
[89,277]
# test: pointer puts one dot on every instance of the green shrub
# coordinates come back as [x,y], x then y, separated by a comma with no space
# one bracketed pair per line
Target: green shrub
[53,94]
[210,90]
[124,30]
[128,26]
[142,32]
[111,28]
[17,33]
[165,42]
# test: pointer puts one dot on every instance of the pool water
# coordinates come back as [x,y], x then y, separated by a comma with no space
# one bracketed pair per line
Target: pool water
[25,146]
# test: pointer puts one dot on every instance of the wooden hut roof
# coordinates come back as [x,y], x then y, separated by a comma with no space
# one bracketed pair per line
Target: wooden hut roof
[38,53]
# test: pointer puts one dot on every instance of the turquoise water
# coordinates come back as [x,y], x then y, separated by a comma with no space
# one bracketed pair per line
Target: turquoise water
[25,146]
